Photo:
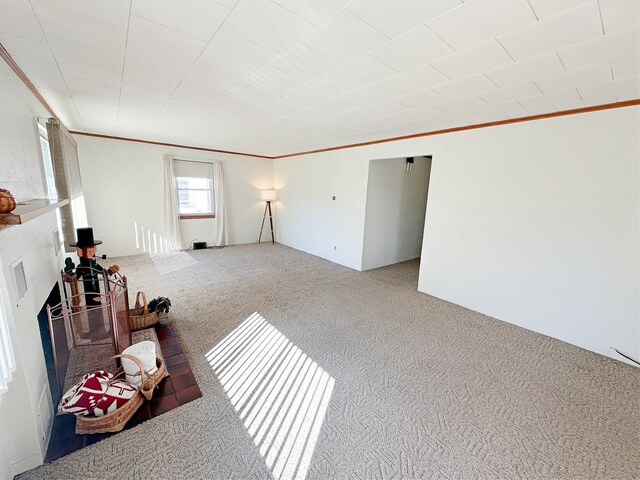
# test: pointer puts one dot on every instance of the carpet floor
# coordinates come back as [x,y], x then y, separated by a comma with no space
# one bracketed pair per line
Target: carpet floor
[310,368]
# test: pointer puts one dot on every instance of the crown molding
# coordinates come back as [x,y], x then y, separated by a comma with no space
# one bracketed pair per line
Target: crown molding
[562,113]
[607,106]
[175,145]
[23,76]
[594,108]
[6,56]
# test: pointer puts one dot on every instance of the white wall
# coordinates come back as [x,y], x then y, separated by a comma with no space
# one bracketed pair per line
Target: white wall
[539,227]
[533,223]
[124,185]
[305,215]
[395,211]
[25,408]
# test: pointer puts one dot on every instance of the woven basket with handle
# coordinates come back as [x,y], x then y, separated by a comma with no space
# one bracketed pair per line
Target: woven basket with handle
[152,381]
[116,420]
[139,316]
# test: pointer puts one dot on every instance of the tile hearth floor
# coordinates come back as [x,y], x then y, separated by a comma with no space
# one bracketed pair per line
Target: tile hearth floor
[178,388]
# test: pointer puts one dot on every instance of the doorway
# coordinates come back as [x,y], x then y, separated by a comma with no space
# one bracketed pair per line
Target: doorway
[397,192]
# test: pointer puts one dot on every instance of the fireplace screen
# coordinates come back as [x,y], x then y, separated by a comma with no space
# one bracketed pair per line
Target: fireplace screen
[95,323]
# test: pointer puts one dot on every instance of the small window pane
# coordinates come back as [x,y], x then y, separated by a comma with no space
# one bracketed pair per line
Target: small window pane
[194,183]
[48,168]
[196,201]
[195,195]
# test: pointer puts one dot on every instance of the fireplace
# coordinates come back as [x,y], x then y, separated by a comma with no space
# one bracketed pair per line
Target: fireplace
[81,331]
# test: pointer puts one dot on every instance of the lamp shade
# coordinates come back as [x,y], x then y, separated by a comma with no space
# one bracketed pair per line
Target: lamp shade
[268,195]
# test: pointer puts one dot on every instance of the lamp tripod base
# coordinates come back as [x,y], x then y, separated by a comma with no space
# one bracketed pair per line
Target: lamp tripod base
[267,207]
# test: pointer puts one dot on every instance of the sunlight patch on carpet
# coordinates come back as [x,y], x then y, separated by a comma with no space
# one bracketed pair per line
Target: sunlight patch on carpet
[279,392]
[172,261]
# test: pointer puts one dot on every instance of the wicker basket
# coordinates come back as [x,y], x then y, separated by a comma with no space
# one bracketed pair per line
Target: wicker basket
[139,316]
[114,421]
[152,381]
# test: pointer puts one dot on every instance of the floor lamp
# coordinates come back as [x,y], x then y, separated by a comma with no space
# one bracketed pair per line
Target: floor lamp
[268,196]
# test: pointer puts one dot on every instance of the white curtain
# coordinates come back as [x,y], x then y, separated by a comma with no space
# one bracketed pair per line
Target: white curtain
[172,233]
[66,169]
[221,235]
[7,360]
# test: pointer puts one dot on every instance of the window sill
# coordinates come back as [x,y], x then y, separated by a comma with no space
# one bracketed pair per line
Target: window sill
[195,217]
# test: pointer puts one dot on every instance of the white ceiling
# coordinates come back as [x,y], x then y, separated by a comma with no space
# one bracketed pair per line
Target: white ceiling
[279,76]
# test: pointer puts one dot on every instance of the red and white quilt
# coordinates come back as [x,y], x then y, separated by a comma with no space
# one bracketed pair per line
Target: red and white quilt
[94,395]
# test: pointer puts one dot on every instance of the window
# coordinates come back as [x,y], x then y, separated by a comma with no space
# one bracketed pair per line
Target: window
[195,195]
[49,176]
[194,182]
[48,164]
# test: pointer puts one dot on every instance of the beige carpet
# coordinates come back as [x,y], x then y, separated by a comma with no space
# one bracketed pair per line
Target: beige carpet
[309,367]
[169,262]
